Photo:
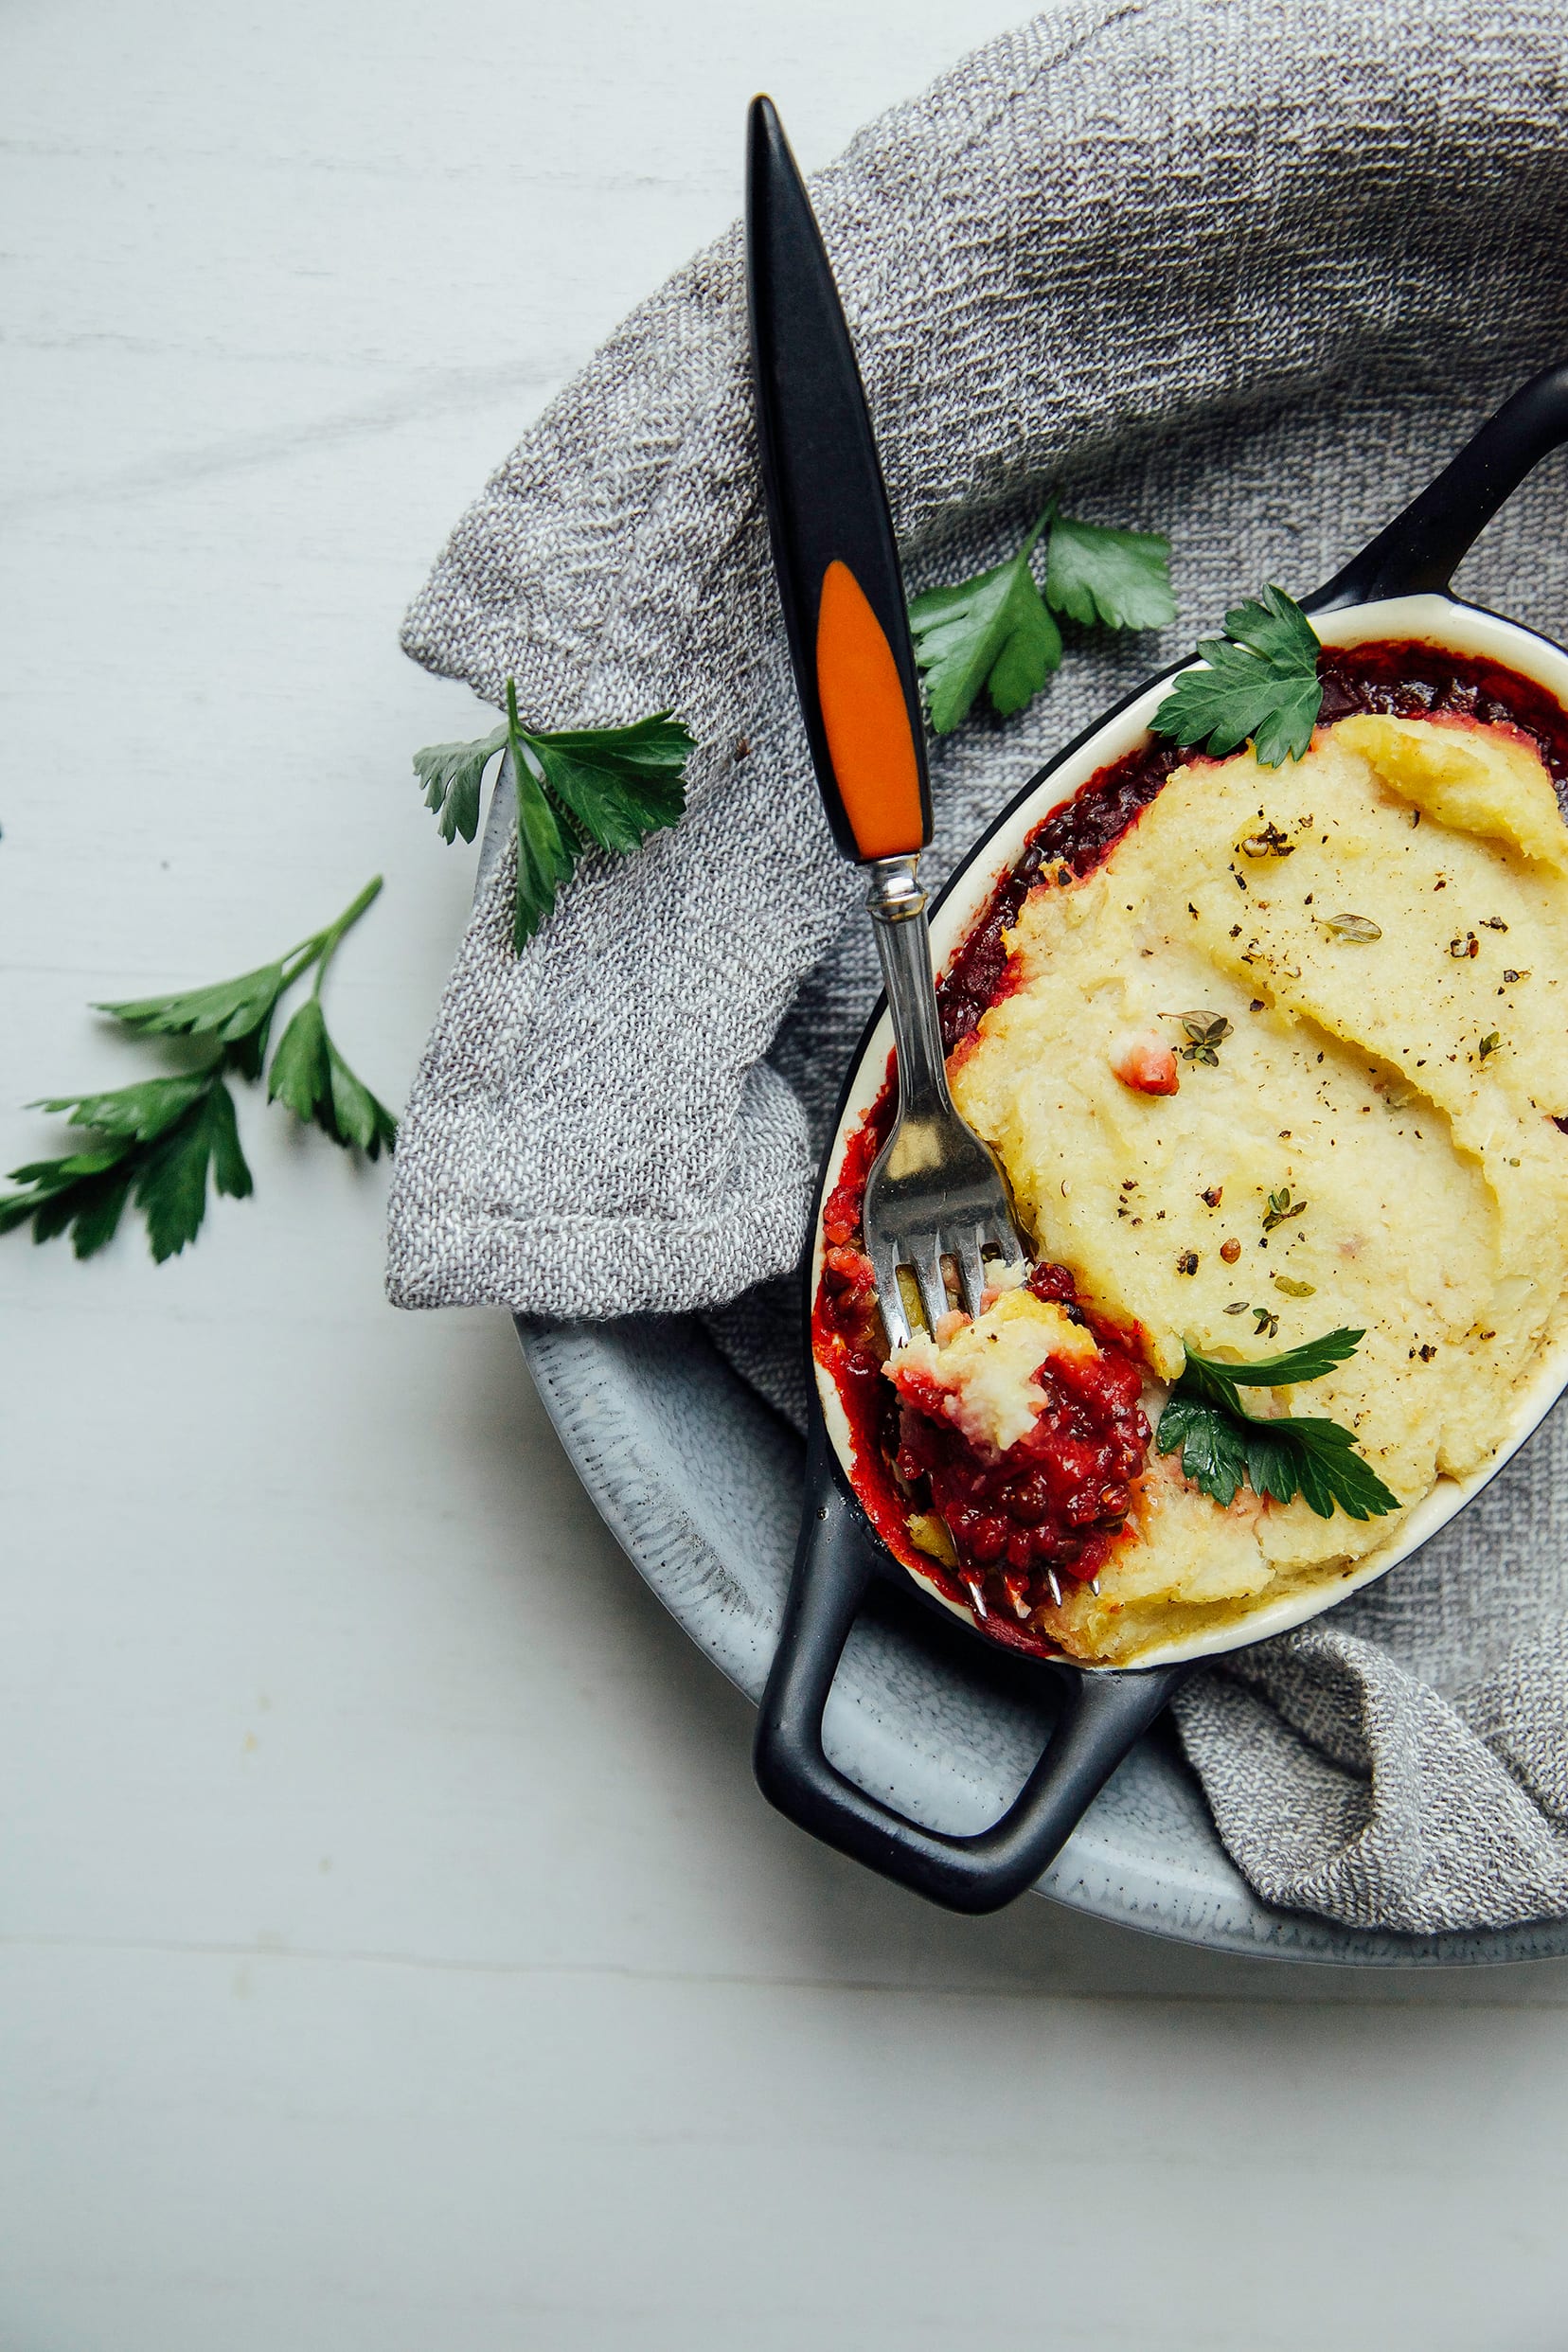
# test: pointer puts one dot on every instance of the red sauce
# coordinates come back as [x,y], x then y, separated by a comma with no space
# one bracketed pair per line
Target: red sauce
[1066,846]
[1055,1499]
[1058,1501]
[1414,680]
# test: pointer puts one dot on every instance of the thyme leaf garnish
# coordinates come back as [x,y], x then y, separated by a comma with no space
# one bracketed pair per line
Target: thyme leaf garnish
[1204,1031]
[1281,1209]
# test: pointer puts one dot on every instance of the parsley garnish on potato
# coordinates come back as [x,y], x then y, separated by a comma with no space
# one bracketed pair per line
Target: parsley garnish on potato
[1224,1448]
[1261,684]
[608,787]
[157,1143]
[996,631]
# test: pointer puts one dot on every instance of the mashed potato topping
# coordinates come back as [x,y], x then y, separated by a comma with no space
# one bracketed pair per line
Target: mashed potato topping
[985,1375]
[1028,1433]
[1374,944]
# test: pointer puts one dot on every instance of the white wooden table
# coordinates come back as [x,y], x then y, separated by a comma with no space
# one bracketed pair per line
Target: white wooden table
[396,1953]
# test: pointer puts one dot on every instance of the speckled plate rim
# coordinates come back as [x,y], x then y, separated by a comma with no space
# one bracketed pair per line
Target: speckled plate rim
[581,1372]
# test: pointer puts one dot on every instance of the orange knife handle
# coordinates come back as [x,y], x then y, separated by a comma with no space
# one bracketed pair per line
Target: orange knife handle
[835,553]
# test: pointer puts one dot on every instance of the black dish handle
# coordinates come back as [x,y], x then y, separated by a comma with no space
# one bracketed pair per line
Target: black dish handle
[1103,1714]
[1422,549]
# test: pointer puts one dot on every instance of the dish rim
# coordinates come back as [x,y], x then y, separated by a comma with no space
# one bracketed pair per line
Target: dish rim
[1447,623]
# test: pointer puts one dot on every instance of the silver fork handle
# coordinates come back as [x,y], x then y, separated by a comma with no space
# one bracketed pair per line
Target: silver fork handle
[898,907]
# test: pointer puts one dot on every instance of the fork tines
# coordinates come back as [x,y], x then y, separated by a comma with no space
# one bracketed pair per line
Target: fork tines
[923,1254]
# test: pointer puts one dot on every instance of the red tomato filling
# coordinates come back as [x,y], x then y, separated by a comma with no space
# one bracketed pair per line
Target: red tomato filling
[1053,1501]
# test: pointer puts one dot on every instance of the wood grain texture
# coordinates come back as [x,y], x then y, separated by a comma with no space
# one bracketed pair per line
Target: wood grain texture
[394,1950]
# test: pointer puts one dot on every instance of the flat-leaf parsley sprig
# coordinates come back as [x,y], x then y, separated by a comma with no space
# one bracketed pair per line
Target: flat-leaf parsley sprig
[158,1144]
[1261,683]
[1224,1448]
[610,787]
[997,630]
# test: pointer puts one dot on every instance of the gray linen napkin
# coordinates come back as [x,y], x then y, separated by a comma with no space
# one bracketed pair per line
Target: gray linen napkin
[1231,269]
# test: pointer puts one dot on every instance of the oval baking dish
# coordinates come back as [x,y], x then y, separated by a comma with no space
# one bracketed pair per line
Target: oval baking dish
[1395,595]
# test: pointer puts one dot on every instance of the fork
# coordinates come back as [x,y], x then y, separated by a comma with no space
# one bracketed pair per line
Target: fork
[936,1192]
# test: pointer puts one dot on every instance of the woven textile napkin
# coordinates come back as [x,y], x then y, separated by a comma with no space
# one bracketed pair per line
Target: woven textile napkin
[1236,269]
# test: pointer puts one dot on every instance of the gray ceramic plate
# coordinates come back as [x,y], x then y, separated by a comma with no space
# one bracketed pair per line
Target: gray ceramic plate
[701,1484]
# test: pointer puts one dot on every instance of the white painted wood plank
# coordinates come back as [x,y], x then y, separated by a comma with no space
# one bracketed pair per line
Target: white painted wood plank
[395,1950]
[222,2149]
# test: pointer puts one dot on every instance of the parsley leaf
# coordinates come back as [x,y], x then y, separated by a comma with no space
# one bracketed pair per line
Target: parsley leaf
[619,783]
[992,631]
[138,1113]
[1318,1460]
[1224,1446]
[1214,1453]
[311,1079]
[161,1142]
[170,1187]
[996,631]
[1261,683]
[545,854]
[451,775]
[608,787]
[1119,578]
[1308,1362]
[165,1137]
[310,1076]
[236,1012]
[83,1193]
